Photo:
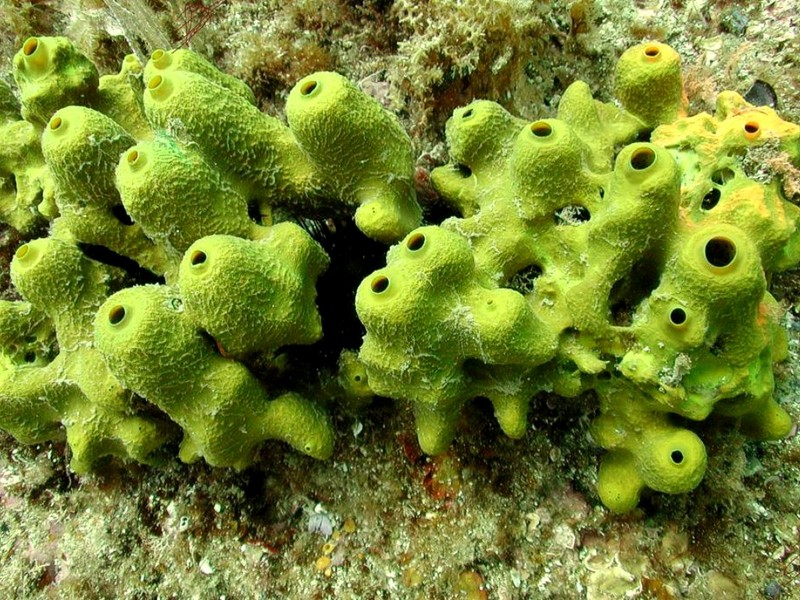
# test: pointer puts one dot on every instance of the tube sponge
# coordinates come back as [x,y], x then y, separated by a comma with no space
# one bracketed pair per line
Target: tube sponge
[646,261]
[649,84]
[74,389]
[152,346]
[177,197]
[358,149]
[81,148]
[50,73]
[26,194]
[673,462]
[253,148]
[253,297]
[623,250]
[165,61]
[433,324]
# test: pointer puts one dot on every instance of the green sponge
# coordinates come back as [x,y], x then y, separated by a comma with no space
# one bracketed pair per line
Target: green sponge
[51,73]
[253,297]
[82,147]
[649,84]
[439,334]
[162,183]
[360,153]
[153,348]
[74,389]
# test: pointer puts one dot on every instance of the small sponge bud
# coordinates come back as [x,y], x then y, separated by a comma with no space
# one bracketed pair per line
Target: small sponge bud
[162,183]
[81,146]
[649,83]
[35,56]
[769,421]
[722,261]
[479,132]
[549,167]
[51,73]
[49,272]
[673,462]
[619,484]
[159,87]
[387,215]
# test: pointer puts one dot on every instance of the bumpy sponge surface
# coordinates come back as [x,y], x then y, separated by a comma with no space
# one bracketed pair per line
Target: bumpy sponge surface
[644,262]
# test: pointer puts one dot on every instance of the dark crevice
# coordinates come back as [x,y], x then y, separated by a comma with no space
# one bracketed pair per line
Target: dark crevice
[353,257]
[711,199]
[108,257]
[463,170]
[254,212]
[121,215]
[630,291]
[524,281]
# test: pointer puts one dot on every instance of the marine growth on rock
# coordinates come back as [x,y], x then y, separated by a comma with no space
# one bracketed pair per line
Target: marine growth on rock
[622,248]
